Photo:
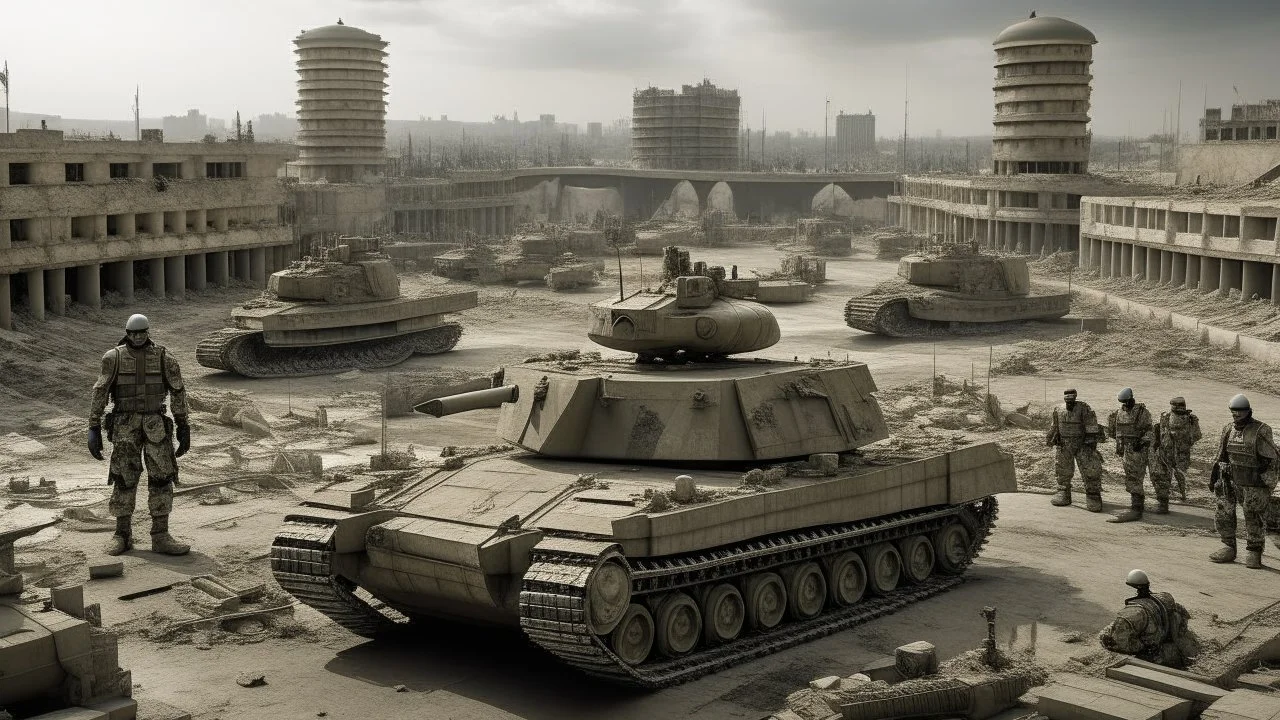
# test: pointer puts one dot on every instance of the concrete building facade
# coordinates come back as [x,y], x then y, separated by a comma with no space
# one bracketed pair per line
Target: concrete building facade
[696,129]
[1213,246]
[81,218]
[1247,122]
[342,108]
[1042,97]
[855,135]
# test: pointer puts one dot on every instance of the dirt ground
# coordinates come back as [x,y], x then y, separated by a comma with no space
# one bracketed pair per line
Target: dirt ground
[1061,569]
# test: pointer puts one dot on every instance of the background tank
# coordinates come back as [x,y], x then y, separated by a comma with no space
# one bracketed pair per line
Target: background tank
[585,538]
[953,283]
[336,313]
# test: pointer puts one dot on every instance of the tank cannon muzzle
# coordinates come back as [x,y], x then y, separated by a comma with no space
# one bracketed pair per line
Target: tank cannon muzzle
[462,402]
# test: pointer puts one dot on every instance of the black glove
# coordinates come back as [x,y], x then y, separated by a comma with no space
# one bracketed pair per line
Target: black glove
[184,439]
[1215,476]
[95,442]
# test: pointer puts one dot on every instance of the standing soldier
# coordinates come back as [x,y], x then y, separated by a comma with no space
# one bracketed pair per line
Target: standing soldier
[1075,434]
[1179,429]
[1242,474]
[137,374]
[1134,433]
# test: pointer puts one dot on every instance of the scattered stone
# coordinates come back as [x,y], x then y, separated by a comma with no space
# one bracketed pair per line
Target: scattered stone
[106,569]
[775,475]
[825,463]
[217,496]
[82,514]
[251,679]
[825,683]
[916,659]
[685,488]
[400,688]
[203,646]
[1072,637]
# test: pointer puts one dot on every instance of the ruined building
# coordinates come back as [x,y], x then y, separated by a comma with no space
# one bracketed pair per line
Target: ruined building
[1247,122]
[80,218]
[855,135]
[696,129]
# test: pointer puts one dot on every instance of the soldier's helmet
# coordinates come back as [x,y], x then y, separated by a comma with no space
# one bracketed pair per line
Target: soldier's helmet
[137,322]
[1125,395]
[1069,394]
[1239,402]
[1137,579]
[1178,403]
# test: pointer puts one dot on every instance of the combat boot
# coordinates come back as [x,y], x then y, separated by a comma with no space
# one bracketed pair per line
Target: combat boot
[1224,554]
[119,545]
[1162,506]
[1133,513]
[1061,499]
[1093,503]
[1253,559]
[161,541]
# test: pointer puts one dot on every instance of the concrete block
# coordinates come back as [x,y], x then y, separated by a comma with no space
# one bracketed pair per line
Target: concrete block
[69,599]
[116,708]
[885,669]
[1166,683]
[1245,705]
[916,659]
[106,569]
[831,682]
[75,713]
[1258,681]
[347,496]
[1077,697]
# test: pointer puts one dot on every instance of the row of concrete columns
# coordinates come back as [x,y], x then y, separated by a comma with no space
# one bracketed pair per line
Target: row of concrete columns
[1030,238]
[485,221]
[1113,258]
[47,290]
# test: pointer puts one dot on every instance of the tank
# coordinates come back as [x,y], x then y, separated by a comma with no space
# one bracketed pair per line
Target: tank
[953,283]
[654,522]
[338,312]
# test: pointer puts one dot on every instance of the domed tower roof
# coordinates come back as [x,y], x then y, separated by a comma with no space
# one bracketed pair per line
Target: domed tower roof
[339,34]
[1044,30]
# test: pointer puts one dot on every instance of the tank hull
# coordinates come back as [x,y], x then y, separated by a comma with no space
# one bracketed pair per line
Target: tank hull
[912,314]
[247,353]
[537,568]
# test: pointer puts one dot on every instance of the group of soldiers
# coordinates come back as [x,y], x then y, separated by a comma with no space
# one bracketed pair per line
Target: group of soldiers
[1243,471]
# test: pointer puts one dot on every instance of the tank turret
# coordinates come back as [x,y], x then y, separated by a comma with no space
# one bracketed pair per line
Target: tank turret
[337,310]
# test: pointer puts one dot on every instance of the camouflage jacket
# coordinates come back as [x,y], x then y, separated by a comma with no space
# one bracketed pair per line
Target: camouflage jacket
[154,373]
[1131,426]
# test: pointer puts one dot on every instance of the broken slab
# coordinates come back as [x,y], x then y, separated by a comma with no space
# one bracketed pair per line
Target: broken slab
[69,599]
[1167,683]
[1259,681]
[106,569]
[1245,705]
[1077,697]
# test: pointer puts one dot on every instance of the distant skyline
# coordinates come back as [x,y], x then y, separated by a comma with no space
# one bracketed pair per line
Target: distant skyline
[581,59]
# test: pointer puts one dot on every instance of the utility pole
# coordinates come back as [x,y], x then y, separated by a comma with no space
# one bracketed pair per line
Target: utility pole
[1177,143]
[4,80]
[826,113]
[137,112]
[906,114]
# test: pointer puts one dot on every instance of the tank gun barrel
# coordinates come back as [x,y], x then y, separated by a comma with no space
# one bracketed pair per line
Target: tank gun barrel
[462,402]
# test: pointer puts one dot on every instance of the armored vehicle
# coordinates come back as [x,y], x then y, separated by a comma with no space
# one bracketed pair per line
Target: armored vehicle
[953,283]
[651,523]
[340,311]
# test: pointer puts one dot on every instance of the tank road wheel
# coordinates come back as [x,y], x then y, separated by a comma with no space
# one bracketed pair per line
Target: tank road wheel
[632,639]
[917,558]
[806,590]
[766,599]
[679,624]
[608,596]
[722,614]
[951,544]
[848,579]
[884,567]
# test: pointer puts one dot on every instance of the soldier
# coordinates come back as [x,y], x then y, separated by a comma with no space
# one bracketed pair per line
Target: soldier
[1133,432]
[1177,432]
[1152,626]
[1075,434]
[137,374]
[1242,474]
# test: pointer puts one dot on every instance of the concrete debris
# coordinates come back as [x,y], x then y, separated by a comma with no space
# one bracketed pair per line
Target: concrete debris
[218,496]
[251,679]
[825,683]
[106,569]
[400,688]
[916,660]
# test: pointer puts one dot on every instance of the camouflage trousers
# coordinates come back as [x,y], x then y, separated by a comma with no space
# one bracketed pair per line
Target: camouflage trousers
[1135,470]
[1072,453]
[1253,502]
[1162,473]
[136,439]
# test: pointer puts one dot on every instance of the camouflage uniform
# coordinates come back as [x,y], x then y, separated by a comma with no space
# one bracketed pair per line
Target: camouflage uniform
[137,381]
[1251,454]
[1179,431]
[1134,433]
[1075,432]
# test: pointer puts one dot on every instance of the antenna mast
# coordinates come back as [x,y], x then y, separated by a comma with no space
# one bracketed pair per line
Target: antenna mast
[906,114]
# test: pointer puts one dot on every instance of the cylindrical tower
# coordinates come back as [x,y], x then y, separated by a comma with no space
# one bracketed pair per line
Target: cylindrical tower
[1042,97]
[342,108]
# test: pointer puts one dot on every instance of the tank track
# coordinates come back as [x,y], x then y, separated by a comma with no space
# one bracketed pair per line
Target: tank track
[553,598]
[886,315]
[244,352]
[301,561]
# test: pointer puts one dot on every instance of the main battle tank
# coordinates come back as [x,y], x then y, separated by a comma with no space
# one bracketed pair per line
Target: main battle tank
[953,283]
[586,536]
[338,312]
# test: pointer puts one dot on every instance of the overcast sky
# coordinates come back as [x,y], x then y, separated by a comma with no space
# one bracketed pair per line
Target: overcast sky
[580,59]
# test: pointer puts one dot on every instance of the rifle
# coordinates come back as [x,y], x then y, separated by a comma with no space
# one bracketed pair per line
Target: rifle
[1170,459]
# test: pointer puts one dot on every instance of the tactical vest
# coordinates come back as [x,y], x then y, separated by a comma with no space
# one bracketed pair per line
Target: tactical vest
[1127,423]
[1071,422]
[1242,453]
[139,385]
[1177,425]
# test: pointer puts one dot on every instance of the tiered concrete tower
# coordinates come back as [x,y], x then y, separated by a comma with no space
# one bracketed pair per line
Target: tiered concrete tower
[342,109]
[1042,97]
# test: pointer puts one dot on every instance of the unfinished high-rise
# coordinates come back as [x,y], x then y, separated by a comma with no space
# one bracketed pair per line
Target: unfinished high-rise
[342,108]
[855,135]
[696,129]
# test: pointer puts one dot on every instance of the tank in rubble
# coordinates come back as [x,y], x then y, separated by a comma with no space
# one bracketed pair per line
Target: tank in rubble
[338,312]
[953,284]
[649,523]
